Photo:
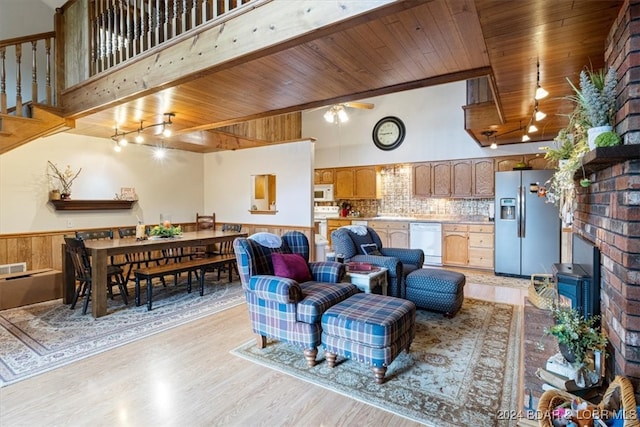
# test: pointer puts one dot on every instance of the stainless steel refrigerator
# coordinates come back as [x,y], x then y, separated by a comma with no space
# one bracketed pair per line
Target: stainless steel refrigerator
[527,228]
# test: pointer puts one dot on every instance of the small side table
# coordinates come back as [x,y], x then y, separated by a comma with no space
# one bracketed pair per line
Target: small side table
[367,281]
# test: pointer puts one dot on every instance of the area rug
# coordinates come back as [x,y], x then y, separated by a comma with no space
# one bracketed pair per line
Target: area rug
[459,372]
[40,337]
[489,278]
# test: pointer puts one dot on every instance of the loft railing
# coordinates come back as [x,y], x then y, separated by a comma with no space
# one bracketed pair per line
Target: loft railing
[41,74]
[122,29]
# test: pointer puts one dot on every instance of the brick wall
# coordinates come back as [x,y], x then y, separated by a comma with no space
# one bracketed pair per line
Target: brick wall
[608,212]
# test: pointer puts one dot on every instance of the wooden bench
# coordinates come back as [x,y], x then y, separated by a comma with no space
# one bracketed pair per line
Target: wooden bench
[198,265]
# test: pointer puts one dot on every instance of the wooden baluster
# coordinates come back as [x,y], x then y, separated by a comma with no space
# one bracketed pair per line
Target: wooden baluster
[113,40]
[166,11]
[3,81]
[135,30]
[207,10]
[150,28]
[122,33]
[102,28]
[154,24]
[47,47]
[18,80]
[175,19]
[193,14]
[34,72]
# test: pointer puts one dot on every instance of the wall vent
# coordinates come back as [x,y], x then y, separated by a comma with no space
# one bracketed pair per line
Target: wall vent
[17,267]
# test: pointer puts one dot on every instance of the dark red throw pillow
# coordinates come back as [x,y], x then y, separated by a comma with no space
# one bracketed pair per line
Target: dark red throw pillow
[291,266]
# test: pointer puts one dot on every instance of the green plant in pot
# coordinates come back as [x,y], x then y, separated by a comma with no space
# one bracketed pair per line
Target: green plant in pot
[578,337]
[607,139]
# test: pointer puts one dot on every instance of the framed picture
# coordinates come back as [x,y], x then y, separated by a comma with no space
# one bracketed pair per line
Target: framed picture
[128,193]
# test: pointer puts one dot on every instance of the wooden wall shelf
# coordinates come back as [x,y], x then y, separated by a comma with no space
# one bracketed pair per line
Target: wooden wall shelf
[91,205]
[603,157]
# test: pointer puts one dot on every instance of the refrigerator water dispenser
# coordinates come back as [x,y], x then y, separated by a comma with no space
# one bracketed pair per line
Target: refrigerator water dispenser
[508,209]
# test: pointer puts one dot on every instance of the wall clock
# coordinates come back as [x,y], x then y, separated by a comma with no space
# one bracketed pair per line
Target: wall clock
[388,133]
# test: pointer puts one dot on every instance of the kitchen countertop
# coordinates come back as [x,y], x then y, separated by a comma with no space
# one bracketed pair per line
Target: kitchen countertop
[470,219]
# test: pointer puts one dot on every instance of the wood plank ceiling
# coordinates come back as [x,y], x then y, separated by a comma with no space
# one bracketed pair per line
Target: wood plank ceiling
[406,45]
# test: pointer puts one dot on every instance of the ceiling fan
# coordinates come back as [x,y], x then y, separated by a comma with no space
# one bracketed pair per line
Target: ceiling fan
[337,112]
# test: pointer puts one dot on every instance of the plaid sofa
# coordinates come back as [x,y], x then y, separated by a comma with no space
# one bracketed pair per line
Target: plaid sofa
[281,308]
[399,261]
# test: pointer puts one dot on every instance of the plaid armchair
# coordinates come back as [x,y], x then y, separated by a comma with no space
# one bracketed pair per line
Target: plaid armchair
[282,308]
[349,241]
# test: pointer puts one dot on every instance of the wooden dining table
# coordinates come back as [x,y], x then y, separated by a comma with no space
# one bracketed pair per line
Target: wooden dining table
[101,252]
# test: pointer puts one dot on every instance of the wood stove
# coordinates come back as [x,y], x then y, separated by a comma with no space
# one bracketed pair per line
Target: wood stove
[579,282]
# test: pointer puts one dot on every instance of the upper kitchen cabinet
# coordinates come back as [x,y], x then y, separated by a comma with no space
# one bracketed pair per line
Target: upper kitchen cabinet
[422,179]
[355,183]
[323,176]
[533,161]
[462,178]
[483,178]
[441,173]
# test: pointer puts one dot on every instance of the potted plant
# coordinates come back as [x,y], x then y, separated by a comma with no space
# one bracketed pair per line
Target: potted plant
[578,337]
[595,101]
[607,139]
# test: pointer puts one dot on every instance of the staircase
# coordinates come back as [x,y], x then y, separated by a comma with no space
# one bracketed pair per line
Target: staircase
[43,121]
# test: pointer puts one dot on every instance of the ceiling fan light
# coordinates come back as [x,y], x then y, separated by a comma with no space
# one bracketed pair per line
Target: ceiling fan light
[342,116]
[533,128]
[540,116]
[328,116]
[540,92]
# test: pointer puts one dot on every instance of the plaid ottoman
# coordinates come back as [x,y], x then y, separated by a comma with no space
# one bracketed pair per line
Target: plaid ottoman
[370,328]
[436,289]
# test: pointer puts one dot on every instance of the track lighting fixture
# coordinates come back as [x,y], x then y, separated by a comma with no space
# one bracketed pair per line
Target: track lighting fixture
[120,138]
[540,92]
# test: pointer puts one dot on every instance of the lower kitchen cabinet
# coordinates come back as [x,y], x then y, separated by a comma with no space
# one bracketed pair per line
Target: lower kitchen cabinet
[455,243]
[393,234]
[468,245]
[335,223]
[481,246]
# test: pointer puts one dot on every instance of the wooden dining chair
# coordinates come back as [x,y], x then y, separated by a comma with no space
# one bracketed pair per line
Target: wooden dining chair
[226,248]
[203,222]
[137,259]
[82,267]
[105,234]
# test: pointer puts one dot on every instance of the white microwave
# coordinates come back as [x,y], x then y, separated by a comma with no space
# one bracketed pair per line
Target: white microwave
[323,193]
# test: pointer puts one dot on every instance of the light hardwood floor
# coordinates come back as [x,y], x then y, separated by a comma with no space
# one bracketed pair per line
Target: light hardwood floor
[187,377]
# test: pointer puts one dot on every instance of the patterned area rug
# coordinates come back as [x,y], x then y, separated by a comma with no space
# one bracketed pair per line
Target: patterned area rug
[459,372]
[40,337]
[488,278]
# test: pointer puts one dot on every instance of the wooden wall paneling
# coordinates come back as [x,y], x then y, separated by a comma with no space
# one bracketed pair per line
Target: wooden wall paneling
[41,254]
[3,252]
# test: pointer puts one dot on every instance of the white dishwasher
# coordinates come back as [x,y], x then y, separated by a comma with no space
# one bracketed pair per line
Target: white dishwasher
[428,237]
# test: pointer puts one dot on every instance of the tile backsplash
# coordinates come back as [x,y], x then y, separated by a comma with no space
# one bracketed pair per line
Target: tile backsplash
[397,199]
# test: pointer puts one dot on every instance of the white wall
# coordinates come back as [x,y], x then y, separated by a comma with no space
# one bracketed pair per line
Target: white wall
[174,185]
[228,174]
[434,122]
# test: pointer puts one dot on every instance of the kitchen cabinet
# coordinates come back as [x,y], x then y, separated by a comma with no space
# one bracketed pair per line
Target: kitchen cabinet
[335,223]
[462,178]
[481,246]
[323,176]
[457,178]
[455,243]
[422,179]
[483,178]
[468,245]
[393,234]
[535,161]
[441,173]
[355,183]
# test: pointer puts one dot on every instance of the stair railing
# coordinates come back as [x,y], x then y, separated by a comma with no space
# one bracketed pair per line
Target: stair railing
[41,50]
[122,29]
